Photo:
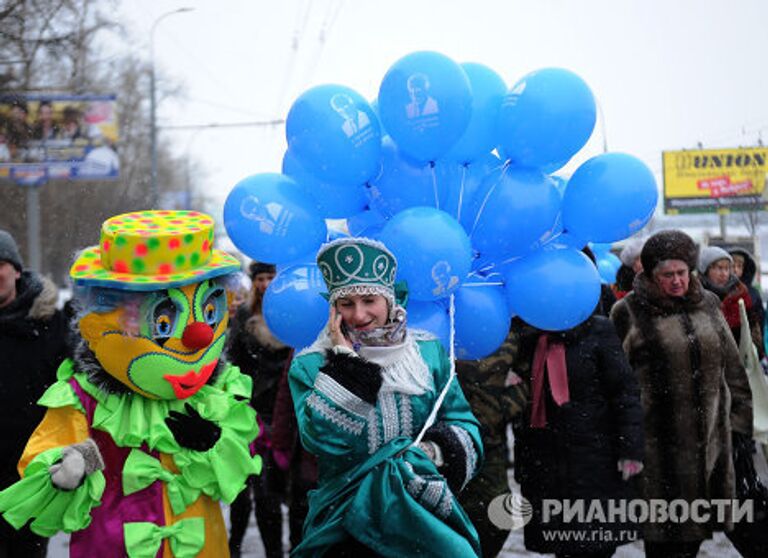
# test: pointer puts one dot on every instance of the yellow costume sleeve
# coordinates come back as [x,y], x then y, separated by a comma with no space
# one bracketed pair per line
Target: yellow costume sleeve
[61,426]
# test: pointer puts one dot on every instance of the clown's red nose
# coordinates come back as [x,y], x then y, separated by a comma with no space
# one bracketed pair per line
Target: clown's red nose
[197,335]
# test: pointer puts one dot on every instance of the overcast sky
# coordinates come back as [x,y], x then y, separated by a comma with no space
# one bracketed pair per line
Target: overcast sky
[666,73]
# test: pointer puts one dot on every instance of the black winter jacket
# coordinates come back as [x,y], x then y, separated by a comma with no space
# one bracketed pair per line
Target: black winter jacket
[576,454]
[33,342]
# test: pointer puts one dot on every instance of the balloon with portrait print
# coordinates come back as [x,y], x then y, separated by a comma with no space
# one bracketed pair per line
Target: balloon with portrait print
[293,307]
[482,319]
[518,213]
[425,104]
[610,197]
[488,90]
[431,316]
[334,133]
[333,200]
[271,218]
[433,252]
[546,118]
[554,288]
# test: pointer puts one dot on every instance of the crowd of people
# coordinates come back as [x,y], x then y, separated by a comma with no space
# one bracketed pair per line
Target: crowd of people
[380,445]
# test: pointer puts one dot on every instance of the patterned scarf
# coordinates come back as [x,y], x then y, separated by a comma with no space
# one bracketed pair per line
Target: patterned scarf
[391,334]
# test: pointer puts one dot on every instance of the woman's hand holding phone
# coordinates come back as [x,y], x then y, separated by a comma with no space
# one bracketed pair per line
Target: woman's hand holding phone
[336,328]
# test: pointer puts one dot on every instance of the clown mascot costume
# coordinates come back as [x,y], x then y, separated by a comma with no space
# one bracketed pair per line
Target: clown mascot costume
[148,427]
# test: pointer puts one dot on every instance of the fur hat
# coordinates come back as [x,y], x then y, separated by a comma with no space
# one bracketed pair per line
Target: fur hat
[711,254]
[631,251]
[668,245]
[9,251]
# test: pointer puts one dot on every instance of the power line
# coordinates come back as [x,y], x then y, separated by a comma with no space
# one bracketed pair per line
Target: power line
[255,124]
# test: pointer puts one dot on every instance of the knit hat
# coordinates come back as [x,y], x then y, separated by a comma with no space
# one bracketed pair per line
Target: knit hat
[711,254]
[9,251]
[631,251]
[148,250]
[260,267]
[668,245]
[357,266]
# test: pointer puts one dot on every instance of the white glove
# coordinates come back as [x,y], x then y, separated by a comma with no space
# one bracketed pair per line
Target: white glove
[77,461]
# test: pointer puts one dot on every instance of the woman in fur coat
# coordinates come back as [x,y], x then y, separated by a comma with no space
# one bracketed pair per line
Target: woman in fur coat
[693,386]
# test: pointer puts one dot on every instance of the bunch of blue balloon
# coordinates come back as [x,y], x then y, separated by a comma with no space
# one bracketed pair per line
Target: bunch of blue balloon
[453,172]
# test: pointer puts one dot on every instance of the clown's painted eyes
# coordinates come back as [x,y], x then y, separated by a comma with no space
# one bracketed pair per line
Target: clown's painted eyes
[214,306]
[164,317]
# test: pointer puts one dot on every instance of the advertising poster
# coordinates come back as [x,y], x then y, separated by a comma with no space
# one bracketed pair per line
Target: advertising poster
[48,137]
[715,180]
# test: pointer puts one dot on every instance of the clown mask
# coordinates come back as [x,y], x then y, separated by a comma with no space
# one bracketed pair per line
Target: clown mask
[163,344]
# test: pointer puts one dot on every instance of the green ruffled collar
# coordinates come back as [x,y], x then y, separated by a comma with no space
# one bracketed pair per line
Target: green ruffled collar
[132,420]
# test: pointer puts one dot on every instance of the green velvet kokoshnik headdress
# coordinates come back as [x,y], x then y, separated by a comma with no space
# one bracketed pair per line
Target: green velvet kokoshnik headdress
[358,266]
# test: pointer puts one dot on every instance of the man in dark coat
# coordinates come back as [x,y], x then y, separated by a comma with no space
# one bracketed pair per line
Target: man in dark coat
[694,389]
[33,342]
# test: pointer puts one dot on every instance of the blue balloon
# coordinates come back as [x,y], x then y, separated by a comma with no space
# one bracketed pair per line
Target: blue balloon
[333,200]
[600,249]
[560,184]
[607,268]
[482,319]
[565,239]
[553,289]
[488,90]
[402,183]
[335,134]
[432,317]
[463,190]
[518,213]
[425,103]
[368,221]
[270,218]
[546,118]
[432,250]
[610,197]
[294,309]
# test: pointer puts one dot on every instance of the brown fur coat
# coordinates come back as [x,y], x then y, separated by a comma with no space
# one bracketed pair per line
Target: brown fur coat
[694,392]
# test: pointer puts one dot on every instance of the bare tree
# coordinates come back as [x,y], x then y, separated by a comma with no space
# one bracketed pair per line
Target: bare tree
[53,45]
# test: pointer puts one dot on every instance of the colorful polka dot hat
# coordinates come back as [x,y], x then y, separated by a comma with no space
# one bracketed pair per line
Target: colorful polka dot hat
[147,250]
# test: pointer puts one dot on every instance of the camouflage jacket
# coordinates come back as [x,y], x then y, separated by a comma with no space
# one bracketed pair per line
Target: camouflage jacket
[489,388]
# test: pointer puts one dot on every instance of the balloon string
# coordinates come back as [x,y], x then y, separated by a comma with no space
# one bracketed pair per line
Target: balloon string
[461,192]
[485,199]
[452,351]
[434,185]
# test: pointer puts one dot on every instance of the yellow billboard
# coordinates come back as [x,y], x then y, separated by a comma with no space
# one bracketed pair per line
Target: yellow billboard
[715,180]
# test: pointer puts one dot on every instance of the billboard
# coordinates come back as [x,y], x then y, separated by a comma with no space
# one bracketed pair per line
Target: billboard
[715,180]
[58,136]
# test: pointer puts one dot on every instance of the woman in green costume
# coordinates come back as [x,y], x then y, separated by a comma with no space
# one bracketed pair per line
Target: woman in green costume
[364,394]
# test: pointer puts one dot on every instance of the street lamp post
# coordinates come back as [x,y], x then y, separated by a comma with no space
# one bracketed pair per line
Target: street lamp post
[154,194]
